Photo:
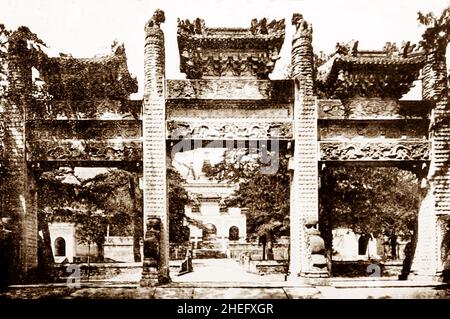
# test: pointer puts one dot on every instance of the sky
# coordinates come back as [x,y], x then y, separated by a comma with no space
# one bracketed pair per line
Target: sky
[85,28]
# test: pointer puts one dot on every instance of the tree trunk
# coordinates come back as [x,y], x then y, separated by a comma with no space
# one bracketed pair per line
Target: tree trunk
[326,231]
[264,251]
[48,253]
[325,216]
[100,251]
[136,221]
[45,254]
[410,250]
[393,244]
[269,247]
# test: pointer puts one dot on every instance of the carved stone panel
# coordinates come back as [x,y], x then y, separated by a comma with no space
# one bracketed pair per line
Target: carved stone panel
[204,104]
[228,129]
[86,129]
[87,109]
[84,150]
[375,151]
[274,114]
[228,89]
[373,108]
[351,129]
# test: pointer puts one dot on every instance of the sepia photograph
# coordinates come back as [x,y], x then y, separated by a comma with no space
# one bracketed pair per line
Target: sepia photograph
[227,150]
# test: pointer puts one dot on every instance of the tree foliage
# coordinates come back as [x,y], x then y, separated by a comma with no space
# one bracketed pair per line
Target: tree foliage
[112,198]
[92,204]
[437,34]
[378,201]
[178,198]
[264,196]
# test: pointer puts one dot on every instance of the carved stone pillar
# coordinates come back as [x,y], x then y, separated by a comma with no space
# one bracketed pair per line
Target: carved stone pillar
[18,200]
[427,261]
[305,239]
[154,144]
[152,252]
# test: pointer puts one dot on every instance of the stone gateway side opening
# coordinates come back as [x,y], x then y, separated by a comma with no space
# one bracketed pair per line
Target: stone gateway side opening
[368,216]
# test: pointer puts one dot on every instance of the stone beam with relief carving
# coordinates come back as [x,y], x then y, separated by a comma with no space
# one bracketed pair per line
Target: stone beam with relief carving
[389,150]
[72,141]
[95,109]
[84,151]
[363,129]
[230,89]
[41,130]
[231,128]
[373,108]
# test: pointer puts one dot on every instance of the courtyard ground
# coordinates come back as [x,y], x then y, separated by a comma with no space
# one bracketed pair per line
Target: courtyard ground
[225,279]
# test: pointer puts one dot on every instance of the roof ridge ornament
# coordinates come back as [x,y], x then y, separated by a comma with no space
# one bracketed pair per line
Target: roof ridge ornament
[188,27]
[407,48]
[349,48]
[156,20]
[302,27]
[262,27]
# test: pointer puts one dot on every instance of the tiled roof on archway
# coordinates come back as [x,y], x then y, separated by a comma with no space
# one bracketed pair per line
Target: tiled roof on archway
[102,77]
[386,73]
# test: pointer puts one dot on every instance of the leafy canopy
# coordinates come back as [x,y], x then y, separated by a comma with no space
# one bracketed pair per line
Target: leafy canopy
[264,196]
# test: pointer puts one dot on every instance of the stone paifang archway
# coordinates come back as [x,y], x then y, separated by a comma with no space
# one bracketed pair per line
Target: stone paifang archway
[346,112]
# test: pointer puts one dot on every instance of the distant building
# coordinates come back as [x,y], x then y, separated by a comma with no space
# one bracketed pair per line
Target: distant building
[220,225]
[216,225]
[65,246]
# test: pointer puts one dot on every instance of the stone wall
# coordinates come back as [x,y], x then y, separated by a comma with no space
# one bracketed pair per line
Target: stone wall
[280,251]
[95,271]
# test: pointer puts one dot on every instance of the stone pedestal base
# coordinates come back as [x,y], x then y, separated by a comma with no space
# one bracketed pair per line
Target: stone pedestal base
[316,278]
[308,281]
[420,278]
[315,274]
[318,281]
[150,276]
[150,273]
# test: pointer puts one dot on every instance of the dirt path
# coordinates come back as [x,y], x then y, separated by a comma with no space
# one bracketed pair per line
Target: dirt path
[207,270]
